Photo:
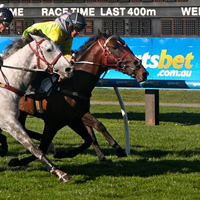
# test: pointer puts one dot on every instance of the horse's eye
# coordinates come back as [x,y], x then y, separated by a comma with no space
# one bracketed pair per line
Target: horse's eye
[115,47]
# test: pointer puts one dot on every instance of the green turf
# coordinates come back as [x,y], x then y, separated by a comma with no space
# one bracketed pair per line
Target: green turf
[164,163]
[130,95]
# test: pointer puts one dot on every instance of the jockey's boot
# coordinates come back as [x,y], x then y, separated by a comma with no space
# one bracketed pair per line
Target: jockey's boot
[30,92]
[35,94]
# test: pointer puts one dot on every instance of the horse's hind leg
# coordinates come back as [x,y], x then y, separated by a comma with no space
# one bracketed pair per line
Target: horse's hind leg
[4,145]
[91,121]
[16,130]
[80,129]
[95,144]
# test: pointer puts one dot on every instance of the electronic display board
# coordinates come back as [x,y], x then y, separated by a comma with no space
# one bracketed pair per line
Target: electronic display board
[134,18]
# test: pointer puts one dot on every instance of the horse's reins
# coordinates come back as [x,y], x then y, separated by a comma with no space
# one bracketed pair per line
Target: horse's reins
[23,69]
[37,54]
[86,62]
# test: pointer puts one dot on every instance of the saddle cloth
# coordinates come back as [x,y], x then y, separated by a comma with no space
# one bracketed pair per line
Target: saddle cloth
[31,106]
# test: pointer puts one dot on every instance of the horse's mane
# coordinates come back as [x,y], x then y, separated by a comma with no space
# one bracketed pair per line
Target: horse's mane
[88,43]
[21,42]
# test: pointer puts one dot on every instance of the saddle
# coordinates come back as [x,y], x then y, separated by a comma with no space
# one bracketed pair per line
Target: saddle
[41,89]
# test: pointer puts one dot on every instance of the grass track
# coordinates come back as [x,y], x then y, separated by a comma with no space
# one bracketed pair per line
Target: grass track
[164,163]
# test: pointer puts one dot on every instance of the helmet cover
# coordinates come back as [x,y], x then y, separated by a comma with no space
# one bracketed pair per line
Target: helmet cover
[6,15]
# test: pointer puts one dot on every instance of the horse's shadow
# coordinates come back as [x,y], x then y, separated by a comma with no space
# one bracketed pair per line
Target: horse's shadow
[141,168]
[182,118]
[149,163]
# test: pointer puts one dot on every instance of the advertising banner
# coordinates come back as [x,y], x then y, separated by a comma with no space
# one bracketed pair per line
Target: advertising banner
[171,62]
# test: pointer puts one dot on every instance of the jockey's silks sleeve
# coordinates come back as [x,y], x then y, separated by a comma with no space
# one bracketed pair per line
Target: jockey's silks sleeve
[67,47]
[53,31]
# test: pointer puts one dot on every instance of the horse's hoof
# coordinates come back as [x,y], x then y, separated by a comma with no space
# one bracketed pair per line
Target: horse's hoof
[62,154]
[65,178]
[3,151]
[102,159]
[59,154]
[51,149]
[14,162]
[121,153]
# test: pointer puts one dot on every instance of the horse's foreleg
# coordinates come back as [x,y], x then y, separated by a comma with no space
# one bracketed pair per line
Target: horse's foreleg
[4,145]
[17,131]
[46,138]
[80,129]
[95,144]
[33,134]
[50,130]
[90,120]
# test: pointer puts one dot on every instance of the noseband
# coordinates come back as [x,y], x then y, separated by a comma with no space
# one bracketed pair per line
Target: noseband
[40,56]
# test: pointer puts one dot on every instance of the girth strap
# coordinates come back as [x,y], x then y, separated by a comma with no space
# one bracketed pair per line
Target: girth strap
[71,93]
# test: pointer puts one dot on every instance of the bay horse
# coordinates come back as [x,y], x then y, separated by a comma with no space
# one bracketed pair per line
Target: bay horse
[16,73]
[70,104]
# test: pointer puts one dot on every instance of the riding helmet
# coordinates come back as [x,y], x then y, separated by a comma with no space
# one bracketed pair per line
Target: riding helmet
[6,15]
[77,20]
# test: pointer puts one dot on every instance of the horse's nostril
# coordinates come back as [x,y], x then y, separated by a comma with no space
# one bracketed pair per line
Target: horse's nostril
[68,69]
[145,74]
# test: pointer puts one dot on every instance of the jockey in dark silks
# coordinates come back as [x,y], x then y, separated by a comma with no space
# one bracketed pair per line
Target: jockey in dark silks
[6,18]
[61,32]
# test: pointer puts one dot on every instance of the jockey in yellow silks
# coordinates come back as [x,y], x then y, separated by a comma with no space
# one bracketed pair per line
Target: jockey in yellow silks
[61,32]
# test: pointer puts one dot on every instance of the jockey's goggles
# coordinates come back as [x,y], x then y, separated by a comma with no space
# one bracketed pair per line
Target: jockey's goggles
[6,24]
[79,28]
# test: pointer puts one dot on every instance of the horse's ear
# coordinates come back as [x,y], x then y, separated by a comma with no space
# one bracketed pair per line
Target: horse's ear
[36,34]
[34,37]
[108,33]
[100,33]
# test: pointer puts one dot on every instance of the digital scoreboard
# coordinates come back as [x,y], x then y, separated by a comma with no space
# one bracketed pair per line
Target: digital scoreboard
[129,18]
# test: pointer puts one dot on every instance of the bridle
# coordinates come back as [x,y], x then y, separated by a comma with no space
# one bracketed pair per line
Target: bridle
[107,54]
[119,64]
[40,56]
